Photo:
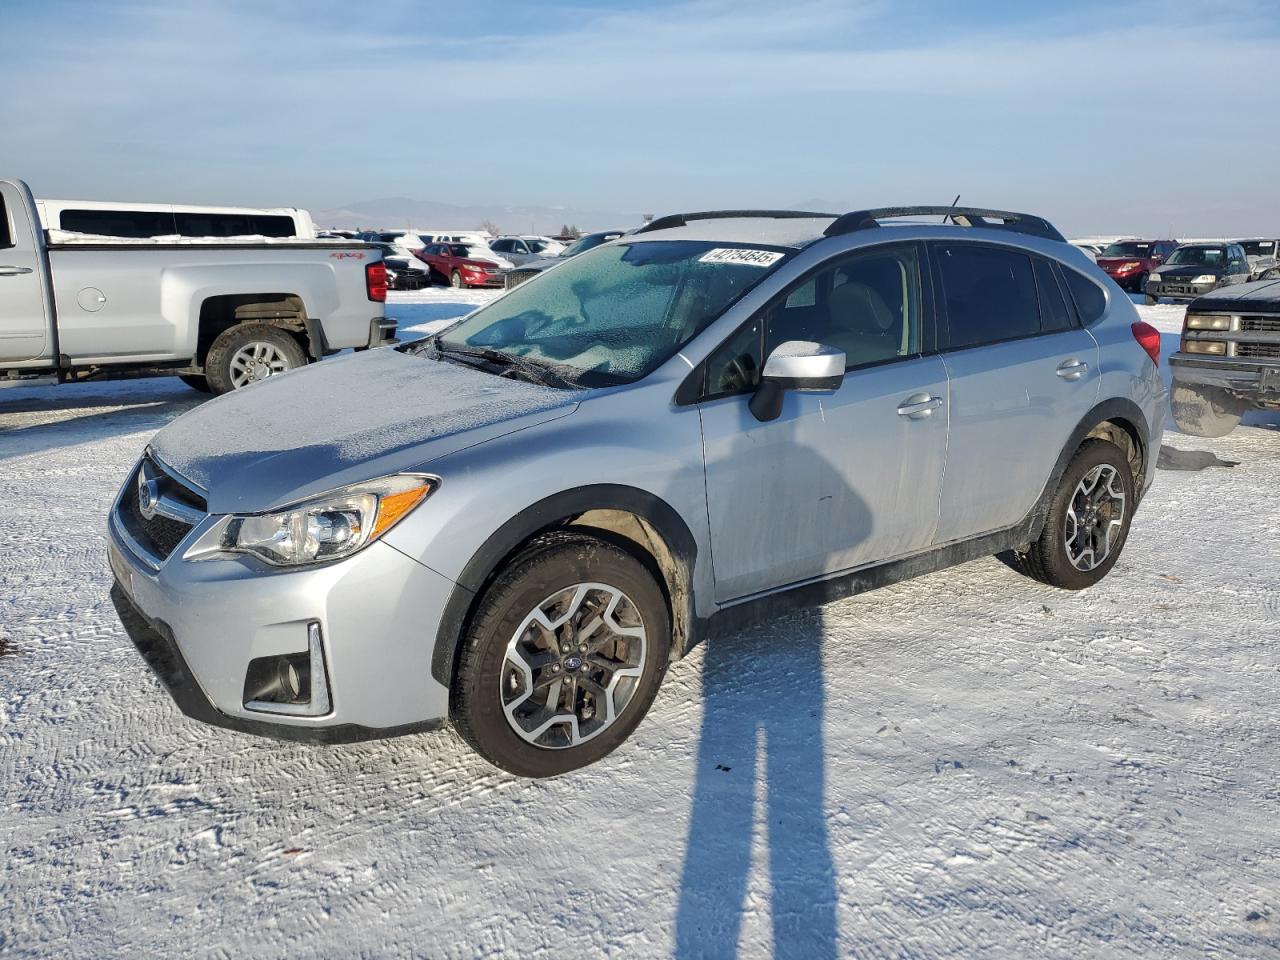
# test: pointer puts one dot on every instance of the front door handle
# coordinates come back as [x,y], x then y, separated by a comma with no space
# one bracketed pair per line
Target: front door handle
[14,271]
[919,405]
[1072,369]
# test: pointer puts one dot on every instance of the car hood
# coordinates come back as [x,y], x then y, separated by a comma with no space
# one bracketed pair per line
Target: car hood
[343,421]
[1258,297]
[1190,270]
[542,263]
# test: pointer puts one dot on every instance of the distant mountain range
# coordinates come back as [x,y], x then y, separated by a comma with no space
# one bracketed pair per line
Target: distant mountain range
[397,213]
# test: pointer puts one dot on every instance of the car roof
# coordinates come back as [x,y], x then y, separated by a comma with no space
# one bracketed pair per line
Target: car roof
[781,232]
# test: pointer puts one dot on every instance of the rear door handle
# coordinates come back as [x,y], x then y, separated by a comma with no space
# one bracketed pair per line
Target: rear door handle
[919,405]
[14,271]
[1072,369]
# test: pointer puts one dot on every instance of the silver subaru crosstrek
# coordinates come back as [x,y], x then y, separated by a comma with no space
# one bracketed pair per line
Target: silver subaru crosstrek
[517,523]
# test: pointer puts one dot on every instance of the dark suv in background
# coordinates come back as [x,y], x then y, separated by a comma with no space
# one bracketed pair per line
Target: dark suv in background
[1130,262]
[1196,268]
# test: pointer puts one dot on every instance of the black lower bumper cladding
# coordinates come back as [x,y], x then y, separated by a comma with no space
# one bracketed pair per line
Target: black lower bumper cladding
[155,642]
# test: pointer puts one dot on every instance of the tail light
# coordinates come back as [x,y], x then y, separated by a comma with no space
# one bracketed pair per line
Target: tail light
[1148,338]
[375,281]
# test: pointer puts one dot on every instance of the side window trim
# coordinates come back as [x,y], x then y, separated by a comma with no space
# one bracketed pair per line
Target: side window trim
[927,317]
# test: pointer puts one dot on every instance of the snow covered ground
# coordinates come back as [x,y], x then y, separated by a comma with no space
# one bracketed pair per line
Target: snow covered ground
[965,765]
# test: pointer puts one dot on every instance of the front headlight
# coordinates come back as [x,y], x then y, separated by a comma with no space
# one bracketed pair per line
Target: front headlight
[1203,321]
[322,529]
[1206,278]
[1154,277]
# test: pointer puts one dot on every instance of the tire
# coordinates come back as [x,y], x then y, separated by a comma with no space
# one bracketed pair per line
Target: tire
[1050,558]
[196,382]
[1271,275]
[1205,411]
[225,368]
[550,575]
[455,279]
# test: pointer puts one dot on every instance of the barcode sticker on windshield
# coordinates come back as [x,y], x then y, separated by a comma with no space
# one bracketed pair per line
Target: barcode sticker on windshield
[752,258]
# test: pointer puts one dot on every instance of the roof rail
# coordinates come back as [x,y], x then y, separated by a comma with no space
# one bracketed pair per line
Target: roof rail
[682,219]
[963,216]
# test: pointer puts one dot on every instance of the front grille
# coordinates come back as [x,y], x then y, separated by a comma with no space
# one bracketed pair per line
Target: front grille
[517,277]
[1260,324]
[1259,351]
[160,534]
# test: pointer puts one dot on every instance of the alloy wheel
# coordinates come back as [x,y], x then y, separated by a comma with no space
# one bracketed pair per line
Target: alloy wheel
[1095,517]
[573,665]
[256,361]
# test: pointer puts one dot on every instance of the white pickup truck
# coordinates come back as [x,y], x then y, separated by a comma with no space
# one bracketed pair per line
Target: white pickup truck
[220,313]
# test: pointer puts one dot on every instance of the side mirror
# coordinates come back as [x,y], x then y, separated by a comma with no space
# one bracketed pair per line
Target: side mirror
[796,365]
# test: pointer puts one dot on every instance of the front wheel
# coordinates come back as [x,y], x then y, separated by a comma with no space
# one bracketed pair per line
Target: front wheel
[1088,520]
[1205,411]
[563,657]
[455,279]
[248,353]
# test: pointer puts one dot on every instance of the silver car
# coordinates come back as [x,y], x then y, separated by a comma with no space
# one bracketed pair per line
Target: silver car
[517,524]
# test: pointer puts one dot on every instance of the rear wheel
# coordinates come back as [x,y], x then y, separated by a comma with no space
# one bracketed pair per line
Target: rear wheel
[563,657]
[249,353]
[1205,411]
[1088,520]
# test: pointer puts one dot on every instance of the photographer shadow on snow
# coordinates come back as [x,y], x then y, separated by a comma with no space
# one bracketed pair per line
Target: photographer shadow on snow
[763,694]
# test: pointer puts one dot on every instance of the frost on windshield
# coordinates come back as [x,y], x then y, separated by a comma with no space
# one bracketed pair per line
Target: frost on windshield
[616,313]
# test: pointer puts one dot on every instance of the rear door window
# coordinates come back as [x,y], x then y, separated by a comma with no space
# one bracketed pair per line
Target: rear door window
[135,224]
[990,294]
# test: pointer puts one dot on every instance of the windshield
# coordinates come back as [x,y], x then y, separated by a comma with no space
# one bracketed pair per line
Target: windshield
[1259,248]
[617,313]
[1197,255]
[1128,249]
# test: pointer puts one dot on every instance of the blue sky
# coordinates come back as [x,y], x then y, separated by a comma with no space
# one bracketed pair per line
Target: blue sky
[1106,117]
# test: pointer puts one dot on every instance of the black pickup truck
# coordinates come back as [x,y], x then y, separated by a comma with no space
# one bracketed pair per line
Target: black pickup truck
[1229,358]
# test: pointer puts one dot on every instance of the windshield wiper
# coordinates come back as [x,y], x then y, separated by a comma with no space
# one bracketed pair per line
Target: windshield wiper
[538,371]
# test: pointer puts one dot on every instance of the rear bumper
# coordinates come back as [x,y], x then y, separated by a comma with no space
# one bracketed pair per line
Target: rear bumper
[1257,381]
[382,332]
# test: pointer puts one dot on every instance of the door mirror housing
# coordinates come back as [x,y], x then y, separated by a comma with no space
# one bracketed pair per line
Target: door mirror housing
[796,365]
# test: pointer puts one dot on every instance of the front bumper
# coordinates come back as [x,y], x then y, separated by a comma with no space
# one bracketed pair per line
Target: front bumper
[200,623]
[489,280]
[1257,381]
[1178,289]
[1131,281]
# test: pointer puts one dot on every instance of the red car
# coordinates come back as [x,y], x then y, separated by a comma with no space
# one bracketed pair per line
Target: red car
[1128,262]
[461,265]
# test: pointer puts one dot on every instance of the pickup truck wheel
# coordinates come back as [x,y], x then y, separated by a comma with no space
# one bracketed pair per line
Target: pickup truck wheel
[563,657]
[196,382]
[1088,520]
[1205,411]
[455,279]
[248,353]
[1271,275]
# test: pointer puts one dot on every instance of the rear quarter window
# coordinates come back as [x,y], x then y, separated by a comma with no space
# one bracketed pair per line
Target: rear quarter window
[1091,302]
[6,237]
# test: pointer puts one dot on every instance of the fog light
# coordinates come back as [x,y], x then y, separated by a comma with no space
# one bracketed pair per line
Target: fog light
[1205,346]
[289,683]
